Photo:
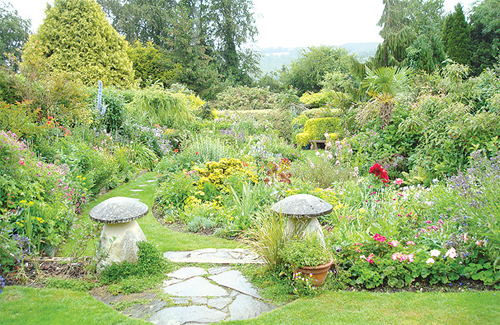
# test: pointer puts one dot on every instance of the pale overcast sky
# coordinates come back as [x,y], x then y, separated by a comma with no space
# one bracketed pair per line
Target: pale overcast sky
[292,23]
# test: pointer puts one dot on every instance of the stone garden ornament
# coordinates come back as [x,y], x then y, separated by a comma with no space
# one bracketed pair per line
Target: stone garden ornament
[121,232]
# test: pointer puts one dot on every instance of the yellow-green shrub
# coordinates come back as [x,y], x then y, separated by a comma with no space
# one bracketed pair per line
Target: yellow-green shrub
[315,129]
[326,97]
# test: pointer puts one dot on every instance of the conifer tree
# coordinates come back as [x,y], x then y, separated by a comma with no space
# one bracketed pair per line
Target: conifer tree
[456,37]
[76,37]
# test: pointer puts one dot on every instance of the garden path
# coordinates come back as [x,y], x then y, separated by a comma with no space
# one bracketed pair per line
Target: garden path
[198,296]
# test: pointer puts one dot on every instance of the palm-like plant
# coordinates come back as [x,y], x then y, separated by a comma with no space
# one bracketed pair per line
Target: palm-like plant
[383,84]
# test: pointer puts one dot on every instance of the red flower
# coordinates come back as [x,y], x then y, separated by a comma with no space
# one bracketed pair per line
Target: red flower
[176,150]
[196,153]
[376,169]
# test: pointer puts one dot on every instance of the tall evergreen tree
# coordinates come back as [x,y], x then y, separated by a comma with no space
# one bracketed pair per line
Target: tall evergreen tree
[485,35]
[76,37]
[456,37]
[396,32]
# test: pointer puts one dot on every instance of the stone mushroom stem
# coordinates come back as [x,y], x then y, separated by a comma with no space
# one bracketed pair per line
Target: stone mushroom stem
[304,226]
[119,242]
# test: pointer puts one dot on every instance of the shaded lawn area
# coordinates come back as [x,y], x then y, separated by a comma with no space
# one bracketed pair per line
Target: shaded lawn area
[23,305]
[165,239]
[387,308]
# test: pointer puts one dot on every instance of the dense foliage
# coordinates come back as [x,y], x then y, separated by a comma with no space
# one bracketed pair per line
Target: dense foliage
[76,37]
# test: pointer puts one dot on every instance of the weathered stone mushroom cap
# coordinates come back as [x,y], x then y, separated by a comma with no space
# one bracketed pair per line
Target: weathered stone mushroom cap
[302,205]
[118,210]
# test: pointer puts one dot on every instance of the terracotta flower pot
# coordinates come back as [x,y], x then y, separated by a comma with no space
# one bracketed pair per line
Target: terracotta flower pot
[318,273]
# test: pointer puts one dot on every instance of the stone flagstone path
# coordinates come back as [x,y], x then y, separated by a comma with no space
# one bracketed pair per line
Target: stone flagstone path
[199,297]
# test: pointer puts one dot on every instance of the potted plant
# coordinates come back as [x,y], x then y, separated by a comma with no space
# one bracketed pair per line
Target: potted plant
[308,256]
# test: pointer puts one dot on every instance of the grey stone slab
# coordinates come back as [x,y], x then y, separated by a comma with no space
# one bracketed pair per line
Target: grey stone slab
[167,283]
[199,300]
[142,185]
[151,181]
[219,303]
[181,300]
[212,255]
[195,287]
[118,210]
[136,190]
[187,272]
[141,311]
[246,307]
[218,270]
[235,280]
[183,315]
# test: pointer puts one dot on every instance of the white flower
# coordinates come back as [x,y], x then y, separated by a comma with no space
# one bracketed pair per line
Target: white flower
[451,253]
[435,253]
[435,181]
[317,154]
[430,261]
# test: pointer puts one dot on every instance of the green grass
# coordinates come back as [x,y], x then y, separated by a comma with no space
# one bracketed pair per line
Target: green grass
[387,308]
[165,239]
[311,154]
[23,305]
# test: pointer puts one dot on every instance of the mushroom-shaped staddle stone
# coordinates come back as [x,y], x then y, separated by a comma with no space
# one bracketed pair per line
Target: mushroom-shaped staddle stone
[121,232]
[302,210]
[118,210]
[302,206]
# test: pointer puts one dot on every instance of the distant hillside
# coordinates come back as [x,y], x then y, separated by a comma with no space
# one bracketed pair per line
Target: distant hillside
[273,58]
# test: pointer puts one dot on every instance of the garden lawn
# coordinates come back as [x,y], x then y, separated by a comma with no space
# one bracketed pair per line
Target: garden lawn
[165,239]
[387,308]
[24,305]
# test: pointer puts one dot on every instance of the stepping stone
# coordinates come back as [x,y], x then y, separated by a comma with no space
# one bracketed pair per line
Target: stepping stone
[141,311]
[182,315]
[246,307]
[167,283]
[219,303]
[195,287]
[235,280]
[151,181]
[187,272]
[136,190]
[217,270]
[212,255]
[143,185]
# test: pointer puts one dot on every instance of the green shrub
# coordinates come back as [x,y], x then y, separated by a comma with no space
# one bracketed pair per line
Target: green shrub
[150,262]
[244,98]
[155,105]
[316,128]
[70,284]
[326,98]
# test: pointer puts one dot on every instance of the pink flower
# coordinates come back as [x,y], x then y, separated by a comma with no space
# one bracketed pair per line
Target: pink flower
[21,162]
[396,256]
[410,243]
[358,244]
[393,243]
[379,238]
[398,181]
[451,253]
[369,258]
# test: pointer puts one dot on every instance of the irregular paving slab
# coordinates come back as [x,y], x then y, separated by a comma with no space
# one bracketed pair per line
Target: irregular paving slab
[143,185]
[217,270]
[187,272]
[235,280]
[195,287]
[141,311]
[212,255]
[219,303]
[182,315]
[246,307]
[151,181]
[135,190]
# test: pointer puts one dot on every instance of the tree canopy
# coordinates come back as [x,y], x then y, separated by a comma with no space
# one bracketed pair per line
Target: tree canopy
[76,37]
[14,32]
[456,36]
